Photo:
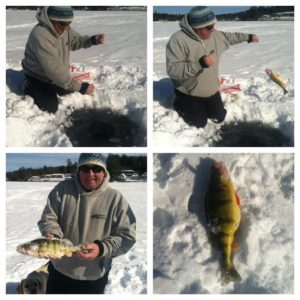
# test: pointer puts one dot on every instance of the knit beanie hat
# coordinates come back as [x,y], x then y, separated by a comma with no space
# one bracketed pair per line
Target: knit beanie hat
[60,13]
[92,159]
[201,16]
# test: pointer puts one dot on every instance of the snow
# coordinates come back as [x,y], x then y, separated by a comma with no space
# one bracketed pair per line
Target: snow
[259,100]
[25,202]
[184,261]
[118,72]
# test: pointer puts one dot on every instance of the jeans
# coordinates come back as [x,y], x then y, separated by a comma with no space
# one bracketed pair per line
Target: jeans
[44,94]
[58,283]
[196,110]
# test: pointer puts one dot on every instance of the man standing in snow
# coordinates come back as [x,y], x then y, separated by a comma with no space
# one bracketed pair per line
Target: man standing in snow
[85,210]
[47,57]
[192,57]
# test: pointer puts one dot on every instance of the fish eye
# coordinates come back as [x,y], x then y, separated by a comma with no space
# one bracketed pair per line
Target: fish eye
[27,286]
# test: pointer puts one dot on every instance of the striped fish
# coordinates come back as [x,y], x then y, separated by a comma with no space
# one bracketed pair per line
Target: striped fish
[223,218]
[48,248]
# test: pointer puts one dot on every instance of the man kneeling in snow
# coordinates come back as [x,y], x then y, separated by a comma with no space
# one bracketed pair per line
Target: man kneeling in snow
[192,57]
[47,57]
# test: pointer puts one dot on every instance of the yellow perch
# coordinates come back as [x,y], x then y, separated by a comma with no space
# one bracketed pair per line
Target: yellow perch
[223,219]
[274,76]
[48,248]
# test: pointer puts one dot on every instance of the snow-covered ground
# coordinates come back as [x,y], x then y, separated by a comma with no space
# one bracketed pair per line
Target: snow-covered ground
[24,205]
[118,71]
[244,64]
[184,261]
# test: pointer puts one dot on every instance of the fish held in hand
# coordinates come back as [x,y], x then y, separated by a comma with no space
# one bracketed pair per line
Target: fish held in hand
[48,248]
[223,219]
[274,76]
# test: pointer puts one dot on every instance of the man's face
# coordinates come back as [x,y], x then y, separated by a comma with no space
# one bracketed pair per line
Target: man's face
[205,32]
[91,176]
[60,26]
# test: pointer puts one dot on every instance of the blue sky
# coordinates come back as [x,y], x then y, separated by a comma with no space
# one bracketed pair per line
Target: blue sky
[15,161]
[184,9]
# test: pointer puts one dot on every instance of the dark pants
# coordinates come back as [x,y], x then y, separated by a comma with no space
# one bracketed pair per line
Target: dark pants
[60,284]
[196,110]
[43,93]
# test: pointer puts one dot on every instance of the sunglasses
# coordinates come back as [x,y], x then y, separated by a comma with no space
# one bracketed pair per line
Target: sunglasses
[64,24]
[95,169]
[210,27]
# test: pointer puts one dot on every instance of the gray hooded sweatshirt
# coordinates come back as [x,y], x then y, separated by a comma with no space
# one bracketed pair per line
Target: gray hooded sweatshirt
[81,217]
[183,52]
[47,54]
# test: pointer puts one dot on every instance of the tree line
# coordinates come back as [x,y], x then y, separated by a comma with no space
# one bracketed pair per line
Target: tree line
[89,8]
[115,164]
[252,14]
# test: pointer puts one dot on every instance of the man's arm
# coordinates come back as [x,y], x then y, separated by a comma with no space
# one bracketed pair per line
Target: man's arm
[178,67]
[59,74]
[233,38]
[48,224]
[121,239]
[78,41]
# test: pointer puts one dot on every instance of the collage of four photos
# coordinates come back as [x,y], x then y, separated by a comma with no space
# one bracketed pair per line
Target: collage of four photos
[94,167]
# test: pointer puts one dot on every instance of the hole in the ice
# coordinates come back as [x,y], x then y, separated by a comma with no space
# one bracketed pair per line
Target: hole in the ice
[101,128]
[251,134]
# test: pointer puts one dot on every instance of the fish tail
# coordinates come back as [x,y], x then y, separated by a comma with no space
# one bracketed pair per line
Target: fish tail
[230,275]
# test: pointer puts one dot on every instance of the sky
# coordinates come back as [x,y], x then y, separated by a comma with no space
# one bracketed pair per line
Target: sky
[184,9]
[15,161]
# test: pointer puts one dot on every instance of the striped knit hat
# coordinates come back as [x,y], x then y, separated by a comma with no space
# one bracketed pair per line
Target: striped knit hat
[60,13]
[92,159]
[201,16]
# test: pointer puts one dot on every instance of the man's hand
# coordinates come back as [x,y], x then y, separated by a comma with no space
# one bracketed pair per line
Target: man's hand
[209,59]
[255,38]
[90,90]
[49,235]
[100,38]
[89,251]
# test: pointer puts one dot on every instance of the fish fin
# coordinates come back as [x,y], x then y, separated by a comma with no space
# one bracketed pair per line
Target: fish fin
[237,199]
[235,245]
[230,275]
[68,242]
[285,91]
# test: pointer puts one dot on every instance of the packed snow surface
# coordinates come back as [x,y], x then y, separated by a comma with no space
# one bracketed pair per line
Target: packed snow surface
[24,206]
[260,99]
[184,260]
[118,71]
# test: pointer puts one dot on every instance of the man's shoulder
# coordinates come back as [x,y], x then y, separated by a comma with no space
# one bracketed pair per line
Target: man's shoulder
[115,194]
[40,32]
[178,34]
[66,184]
[112,190]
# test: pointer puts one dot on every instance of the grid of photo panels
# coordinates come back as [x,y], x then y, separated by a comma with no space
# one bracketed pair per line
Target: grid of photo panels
[111,192]
[76,219]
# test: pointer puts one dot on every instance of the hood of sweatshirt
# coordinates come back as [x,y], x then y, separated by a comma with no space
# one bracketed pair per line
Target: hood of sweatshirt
[186,27]
[42,17]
